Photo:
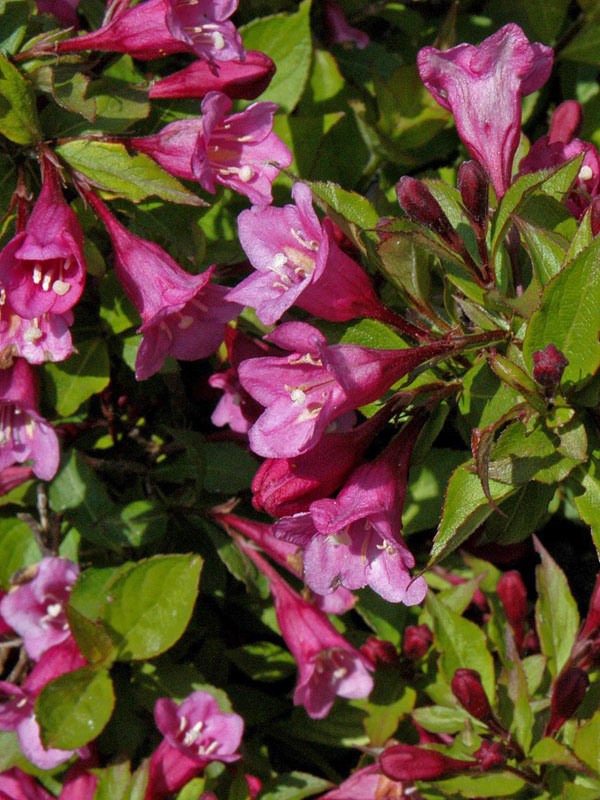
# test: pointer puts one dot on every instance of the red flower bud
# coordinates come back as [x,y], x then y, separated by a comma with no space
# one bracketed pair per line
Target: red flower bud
[468,690]
[490,755]
[473,184]
[595,216]
[378,651]
[566,122]
[403,762]
[421,206]
[569,690]
[417,641]
[513,595]
[548,367]
[592,622]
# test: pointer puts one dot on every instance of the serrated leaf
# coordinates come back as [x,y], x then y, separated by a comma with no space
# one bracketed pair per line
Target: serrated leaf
[92,639]
[547,250]
[74,708]
[293,786]
[351,206]
[441,719]
[569,318]
[18,115]
[556,615]
[68,384]
[587,743]
[112,781]
[18,549]
[463,645]
[500,784]
[149,605]
[287,40]
[14,16]
[549,751]
[387,620]
[109,167]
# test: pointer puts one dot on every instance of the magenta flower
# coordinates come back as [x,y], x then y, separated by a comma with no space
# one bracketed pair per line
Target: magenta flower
[17,712]
[368,783]
[237,79]
[355,540]
[37,340]
[37,610]
[42,268]
[285,486]
[338,29]
[305,391]
[299,263]
[24,434]
[157,28]
[405,762]
[328,665]
[559,145]
[239,151]
[183,315]
[17,785]
[196,733]
[483,86]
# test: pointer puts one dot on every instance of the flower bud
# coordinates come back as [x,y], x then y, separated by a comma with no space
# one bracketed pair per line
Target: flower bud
[378,651]
[490,755]
[513,595]
[548,367]
[592,622]
[473,184]
[468,690]
[421,206]
[566,122]
[569,690]
[595,216]
[417,641]
[403,762]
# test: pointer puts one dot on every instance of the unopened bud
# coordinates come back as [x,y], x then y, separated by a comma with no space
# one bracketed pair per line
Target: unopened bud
[595,216]
[473,184]
[378,651]
[468,690]
[548,367]
[513,595]
[417,641]
[404,762]
[569,690]
[490,755]
[566,122]
[592,622]
[421,206]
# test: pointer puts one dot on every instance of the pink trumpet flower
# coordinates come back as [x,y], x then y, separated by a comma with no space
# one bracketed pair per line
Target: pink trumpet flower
[298,262]
[42,268]
[237,79]
[305,391]
[328,665]
[355,540]
[182,315]
[24,434]
[36,610]
[63,10]
[483,86]
[17,785]
[156,28]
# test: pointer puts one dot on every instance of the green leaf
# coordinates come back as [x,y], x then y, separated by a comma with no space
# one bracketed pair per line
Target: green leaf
[18,549]
[229,468]
[521,724]
[522,514]
[465,509]
[92,639]
[569,318]
[587,743]
[549,751]
[293,786]
[350,206]
[425,492]
[14,16]
[149,605]
[387,620]
[112,781]
[588,503]
[68,384]
[74,708]
[462,644]
[500,784]
[263,661]
[547,250]
[584,45]
[109,167]
[556,615]
[441,719]
[89,592]
[287,40]
[18,115]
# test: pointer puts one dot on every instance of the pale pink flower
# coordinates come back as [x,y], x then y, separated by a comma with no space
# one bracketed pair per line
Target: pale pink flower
[339,30]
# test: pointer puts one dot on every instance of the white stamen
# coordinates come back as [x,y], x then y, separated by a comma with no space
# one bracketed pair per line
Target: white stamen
[218,40]
[37,274]
[585,173]
[47,282]
[298,397]
[246,173]
[2,297]
[310,244]
[54,610]
[32,334]
[340,673]
[185,322]
[182,723]
[206,751]
[340,537]
[22,702]
[60,287]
